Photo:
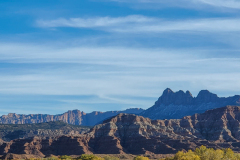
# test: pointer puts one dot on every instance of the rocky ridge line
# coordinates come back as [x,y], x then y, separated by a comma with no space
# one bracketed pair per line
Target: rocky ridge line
[175,105]
[131,134]
[74,117]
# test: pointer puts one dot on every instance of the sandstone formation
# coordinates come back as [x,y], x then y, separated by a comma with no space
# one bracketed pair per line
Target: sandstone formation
[132,134]
[74,117]
[174,105]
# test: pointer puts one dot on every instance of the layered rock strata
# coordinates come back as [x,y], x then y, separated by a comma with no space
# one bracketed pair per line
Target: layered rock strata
[131,134]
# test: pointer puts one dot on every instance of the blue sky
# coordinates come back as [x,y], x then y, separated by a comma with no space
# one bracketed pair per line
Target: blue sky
[100,55]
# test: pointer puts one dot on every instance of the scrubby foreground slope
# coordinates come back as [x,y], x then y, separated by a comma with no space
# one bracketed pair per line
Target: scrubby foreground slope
[131,134]
[10,132]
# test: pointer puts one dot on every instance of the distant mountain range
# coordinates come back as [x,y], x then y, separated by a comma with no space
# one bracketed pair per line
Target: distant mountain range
[171,105]
[175,105]
[74,117]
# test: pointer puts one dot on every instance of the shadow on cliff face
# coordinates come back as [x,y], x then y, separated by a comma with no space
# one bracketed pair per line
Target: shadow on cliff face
[132,134]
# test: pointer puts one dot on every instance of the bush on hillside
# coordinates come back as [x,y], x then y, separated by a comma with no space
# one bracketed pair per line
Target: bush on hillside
[204,153]
[110,158]
[141,158]
[52,158]
[89,157]
[65,157]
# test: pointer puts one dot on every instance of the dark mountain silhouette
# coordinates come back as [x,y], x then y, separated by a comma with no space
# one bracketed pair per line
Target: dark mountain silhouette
[175,105]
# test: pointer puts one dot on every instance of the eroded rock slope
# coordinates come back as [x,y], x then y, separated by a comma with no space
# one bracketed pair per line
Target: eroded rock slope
[126,133]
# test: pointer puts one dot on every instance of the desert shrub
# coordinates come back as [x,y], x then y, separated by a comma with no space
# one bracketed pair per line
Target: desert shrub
[237,156]
[229,154]
[204,153]
[141,158]
[110,158]
[190,155]
[52,158]
[65,157]
[209,153]
[200,151]
[168,158]
[89,157]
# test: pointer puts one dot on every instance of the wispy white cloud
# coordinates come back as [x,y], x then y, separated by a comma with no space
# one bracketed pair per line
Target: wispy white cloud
[185,3]
[117,56]
[222,3]
[94,22]
[112,73]
[143,24]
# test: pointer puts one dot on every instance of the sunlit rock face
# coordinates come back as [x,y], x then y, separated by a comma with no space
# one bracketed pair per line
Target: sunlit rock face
[132,134]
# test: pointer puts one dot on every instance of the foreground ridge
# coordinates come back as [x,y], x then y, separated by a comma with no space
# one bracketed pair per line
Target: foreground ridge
[10,132]
[132,134]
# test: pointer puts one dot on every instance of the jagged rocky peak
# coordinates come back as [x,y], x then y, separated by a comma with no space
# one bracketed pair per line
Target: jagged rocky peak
[167,91]
[180,97]
[189,93]
[175,105]
[204,96]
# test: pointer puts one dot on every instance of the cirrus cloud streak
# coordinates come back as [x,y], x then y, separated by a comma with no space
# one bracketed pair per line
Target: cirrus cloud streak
[234,4]
[143,24]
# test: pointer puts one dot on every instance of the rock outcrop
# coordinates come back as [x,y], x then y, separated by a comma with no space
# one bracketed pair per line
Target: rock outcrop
[74,117]
[131,134]
[174,105]
[218,128]
[64,145]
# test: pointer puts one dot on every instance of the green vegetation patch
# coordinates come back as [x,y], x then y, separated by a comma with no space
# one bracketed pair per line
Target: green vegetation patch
[34,126]
[14,131]
[203,153]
